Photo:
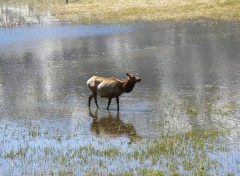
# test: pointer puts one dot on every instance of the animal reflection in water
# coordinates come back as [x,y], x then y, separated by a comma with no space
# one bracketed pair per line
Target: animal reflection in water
[112,126]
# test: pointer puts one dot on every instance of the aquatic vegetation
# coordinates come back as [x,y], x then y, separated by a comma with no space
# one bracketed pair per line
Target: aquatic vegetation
[191,110]
[212,109]
[171,154]
[225,109]
[20,152]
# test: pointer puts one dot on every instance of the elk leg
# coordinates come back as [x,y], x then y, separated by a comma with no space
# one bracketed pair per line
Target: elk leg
[95,99]
[109,102]
[117,99]
[90,99]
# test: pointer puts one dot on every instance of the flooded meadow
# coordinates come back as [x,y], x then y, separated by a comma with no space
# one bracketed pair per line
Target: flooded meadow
[183,118]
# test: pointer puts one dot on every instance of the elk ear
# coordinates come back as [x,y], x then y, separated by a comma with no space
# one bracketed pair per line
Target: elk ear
[127,74]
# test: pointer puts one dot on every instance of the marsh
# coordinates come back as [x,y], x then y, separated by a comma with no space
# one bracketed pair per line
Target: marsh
[190,82]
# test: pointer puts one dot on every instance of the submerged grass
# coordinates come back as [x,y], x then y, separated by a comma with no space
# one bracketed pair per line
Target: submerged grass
[172,154]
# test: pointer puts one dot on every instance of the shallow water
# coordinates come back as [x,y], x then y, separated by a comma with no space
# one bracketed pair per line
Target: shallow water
[187,69]
[190,81]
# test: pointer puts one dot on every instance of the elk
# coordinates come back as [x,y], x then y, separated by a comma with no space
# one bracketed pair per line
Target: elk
[110,87]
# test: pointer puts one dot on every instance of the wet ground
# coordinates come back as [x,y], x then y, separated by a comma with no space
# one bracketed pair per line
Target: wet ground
[190,81]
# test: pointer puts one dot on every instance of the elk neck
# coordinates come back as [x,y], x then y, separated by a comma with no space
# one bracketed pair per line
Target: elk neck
[128,86]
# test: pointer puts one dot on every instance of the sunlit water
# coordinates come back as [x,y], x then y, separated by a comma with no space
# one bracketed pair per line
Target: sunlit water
[190,80]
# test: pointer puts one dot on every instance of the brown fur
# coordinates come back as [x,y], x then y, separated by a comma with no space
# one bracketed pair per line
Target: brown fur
[110,87]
